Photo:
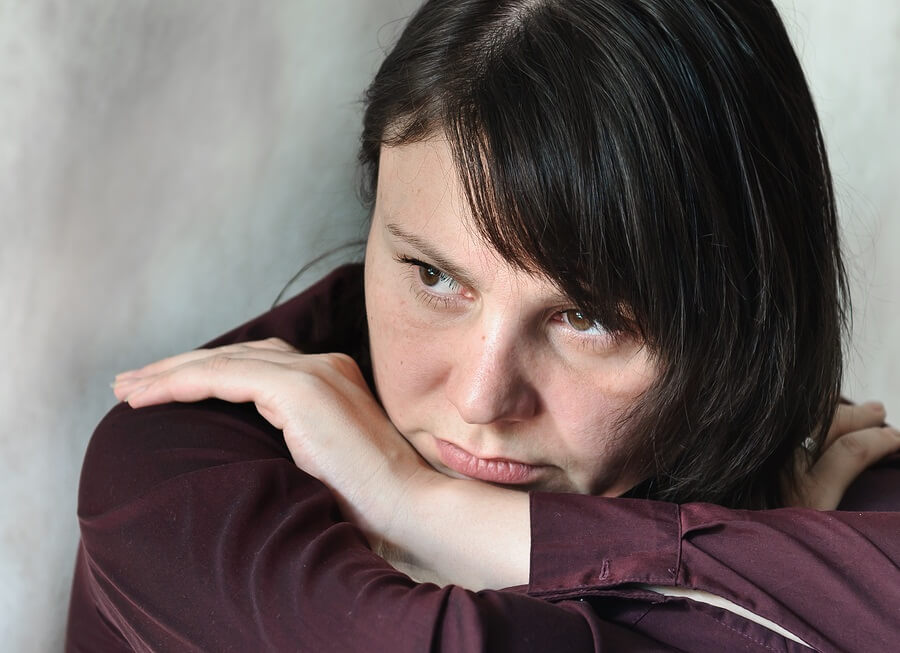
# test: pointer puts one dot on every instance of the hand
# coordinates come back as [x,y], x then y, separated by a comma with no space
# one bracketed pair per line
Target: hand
[857,438]
[334,428]
[430,526]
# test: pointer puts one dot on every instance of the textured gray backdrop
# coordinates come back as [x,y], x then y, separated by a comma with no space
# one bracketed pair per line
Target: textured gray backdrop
[165,166]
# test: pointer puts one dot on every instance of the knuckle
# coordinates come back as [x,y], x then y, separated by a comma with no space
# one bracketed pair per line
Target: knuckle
[310,382]
[340,361]
[218,363]
[283,345]
[320,390]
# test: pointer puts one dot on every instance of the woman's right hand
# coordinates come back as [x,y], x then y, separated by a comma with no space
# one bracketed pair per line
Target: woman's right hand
[428,525]
[333,427]
[857,438]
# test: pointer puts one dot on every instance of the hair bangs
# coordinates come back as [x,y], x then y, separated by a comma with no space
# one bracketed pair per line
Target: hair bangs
[548,184]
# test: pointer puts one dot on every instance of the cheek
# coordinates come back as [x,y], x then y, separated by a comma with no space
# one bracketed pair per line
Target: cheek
[587,423]
[406,359]
[593,401]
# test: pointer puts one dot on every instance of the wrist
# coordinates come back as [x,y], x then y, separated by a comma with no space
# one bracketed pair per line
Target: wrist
[415,495]
[464,532]
[374,489]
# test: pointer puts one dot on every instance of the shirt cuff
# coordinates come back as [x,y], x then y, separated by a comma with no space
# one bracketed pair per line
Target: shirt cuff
[582,543]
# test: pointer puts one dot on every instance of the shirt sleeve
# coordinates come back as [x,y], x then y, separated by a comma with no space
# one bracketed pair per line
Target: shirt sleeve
[832,578]
[200,534]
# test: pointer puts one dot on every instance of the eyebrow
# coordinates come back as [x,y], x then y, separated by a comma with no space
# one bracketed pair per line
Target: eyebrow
[431,252]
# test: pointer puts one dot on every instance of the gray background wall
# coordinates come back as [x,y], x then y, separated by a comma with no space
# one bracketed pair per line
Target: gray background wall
[166,166]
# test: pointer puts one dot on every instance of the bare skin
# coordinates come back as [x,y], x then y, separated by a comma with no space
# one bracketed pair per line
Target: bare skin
[488,372]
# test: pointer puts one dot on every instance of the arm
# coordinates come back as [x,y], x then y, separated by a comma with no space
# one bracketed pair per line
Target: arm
[832,578]
[636,535]
[462,531]
[475,534]
[487,528]
[200,533]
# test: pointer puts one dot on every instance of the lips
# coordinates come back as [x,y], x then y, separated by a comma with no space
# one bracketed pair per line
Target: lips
[493,470]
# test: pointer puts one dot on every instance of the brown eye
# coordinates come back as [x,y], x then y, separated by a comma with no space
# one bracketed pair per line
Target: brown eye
[578,321]
[430,276]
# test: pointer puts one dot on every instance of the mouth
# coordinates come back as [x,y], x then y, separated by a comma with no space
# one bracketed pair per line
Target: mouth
[492,470]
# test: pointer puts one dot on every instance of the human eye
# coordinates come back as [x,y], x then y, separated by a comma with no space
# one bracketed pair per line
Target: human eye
[433,286]
[583,331]
[579,322]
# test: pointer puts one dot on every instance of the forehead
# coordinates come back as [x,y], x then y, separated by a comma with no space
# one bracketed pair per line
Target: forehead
[419,190]
[420,193]
[422,177]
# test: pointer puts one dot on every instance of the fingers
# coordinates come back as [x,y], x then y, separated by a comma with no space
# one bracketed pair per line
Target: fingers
[212,365]
[269,344]
[846,457]
[245,372]
[188,386]
[855,417]
[219,377]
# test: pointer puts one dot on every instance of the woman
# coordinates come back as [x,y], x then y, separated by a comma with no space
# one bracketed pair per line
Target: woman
[603,267]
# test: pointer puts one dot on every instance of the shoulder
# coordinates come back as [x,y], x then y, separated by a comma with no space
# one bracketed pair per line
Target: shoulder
[133,451]
[327,316]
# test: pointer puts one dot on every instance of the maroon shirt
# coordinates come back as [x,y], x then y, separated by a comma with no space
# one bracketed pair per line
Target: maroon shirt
[198,533]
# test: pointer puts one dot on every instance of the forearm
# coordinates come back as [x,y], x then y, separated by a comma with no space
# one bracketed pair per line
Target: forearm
[774,563]
[200,534]
[460,532]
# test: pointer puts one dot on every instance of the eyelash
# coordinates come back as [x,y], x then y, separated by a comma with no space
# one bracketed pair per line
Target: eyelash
[435,300]
[430,299]
[594,342]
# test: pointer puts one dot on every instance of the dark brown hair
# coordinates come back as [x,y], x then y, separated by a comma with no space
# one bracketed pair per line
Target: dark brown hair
[662,162]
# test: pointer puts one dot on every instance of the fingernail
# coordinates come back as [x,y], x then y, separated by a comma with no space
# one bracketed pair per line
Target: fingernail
[875,406]
[118,384]
[135,393]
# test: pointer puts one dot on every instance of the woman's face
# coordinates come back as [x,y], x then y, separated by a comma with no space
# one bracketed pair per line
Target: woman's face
[489,372]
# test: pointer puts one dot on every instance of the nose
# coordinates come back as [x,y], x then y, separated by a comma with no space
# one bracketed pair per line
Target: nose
[487,382]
